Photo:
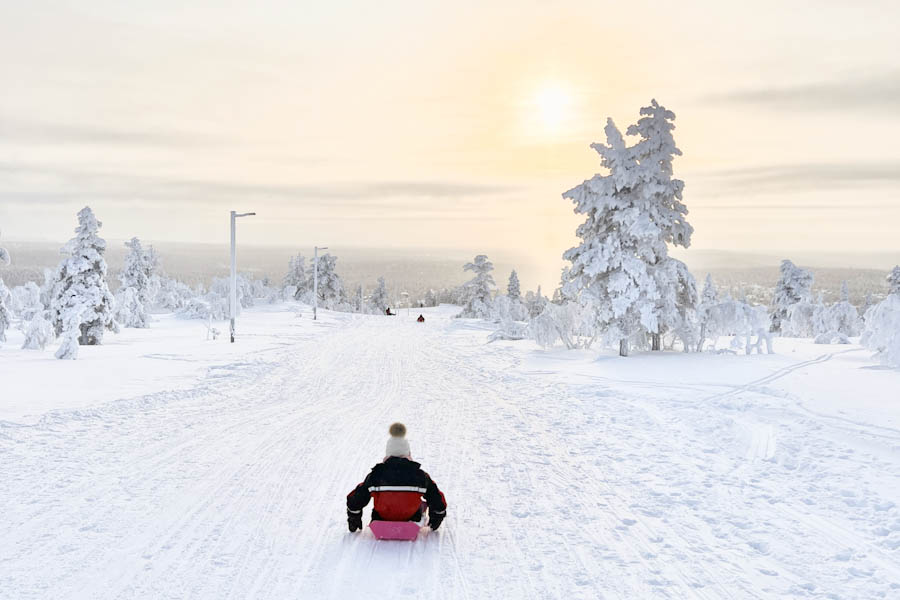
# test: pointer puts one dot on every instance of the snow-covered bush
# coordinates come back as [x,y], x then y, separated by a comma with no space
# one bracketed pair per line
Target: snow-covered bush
[211,306]
[882,331]
[38,333]
[80,288]
[794,286]
[731,317]
[843,318]
[805,319]
[478,290]
[297,277]
[26,300]
[72,323]
[570,323]
[882,328]
[172,295]
[509,330]
[505,308]
[130,311]
[535,303]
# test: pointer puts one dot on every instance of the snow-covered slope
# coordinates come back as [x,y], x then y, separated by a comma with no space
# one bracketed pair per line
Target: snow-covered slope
[567,475]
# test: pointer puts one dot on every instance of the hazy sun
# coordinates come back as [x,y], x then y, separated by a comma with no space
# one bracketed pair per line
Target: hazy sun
[553,105]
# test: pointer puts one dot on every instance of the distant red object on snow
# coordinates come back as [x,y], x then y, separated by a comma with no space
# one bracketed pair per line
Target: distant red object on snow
[395,530]
[421,319]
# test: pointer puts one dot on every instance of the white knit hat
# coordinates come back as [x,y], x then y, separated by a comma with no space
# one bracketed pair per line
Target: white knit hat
[397,444]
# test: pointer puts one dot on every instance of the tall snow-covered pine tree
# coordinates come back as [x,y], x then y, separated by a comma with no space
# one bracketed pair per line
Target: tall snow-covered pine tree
[81,295]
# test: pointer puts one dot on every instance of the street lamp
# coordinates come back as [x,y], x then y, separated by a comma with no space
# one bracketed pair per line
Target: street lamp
[233,298]
[316,279]
[407,301]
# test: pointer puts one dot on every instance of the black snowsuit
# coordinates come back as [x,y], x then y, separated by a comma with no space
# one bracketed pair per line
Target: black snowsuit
[397,486]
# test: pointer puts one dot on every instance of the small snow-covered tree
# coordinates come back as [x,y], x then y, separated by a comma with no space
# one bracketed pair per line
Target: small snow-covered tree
[330,285]
[708,298]
[379,299]
[431,298]
[512,288]
[26,300]
[38,333]
[535,303]
[893,280]
[795,285]
[81,283]
[73,320]
[571,323]
[296,276]
[843,318]
[478,289]
[678,305]
[133,306]
[882,327]
[172,295]
[882,330]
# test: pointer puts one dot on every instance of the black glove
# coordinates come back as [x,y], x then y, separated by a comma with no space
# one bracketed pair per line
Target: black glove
[434,519]
[354,520]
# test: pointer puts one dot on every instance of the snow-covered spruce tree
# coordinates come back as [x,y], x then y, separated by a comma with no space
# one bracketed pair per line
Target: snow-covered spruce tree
[665,212]
[431,298]
[134,298]
[296,276]
[331,287]
[893,280]
[80,289]
[379,299]
[512,288]
[882,328]
[708,298]
[843,318]
[611,267]
[478,290]
[795,285]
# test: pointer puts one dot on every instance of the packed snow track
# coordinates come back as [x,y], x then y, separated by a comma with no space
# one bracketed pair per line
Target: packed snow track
[558,486]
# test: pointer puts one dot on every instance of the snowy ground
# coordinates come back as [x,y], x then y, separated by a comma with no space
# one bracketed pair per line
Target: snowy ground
[172,467]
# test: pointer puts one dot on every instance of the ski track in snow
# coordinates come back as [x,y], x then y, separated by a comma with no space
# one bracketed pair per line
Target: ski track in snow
[556,489]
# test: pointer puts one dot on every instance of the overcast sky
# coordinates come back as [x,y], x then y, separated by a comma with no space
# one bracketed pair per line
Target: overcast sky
[452,124]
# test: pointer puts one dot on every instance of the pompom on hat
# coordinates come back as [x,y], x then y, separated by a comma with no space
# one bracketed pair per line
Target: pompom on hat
[397,444]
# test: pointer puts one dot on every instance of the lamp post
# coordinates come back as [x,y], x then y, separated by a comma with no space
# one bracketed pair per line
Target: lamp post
[233,298]
[316,279]
[407,301]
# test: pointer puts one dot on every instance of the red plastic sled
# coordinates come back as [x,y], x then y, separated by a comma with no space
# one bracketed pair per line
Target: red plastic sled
[395,530]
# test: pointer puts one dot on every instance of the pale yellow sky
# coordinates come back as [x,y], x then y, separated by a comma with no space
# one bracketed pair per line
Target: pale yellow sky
[444,124]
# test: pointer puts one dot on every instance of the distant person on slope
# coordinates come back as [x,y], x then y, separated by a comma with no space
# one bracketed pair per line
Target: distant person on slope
[421,319]
[388,312]
[397,485]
